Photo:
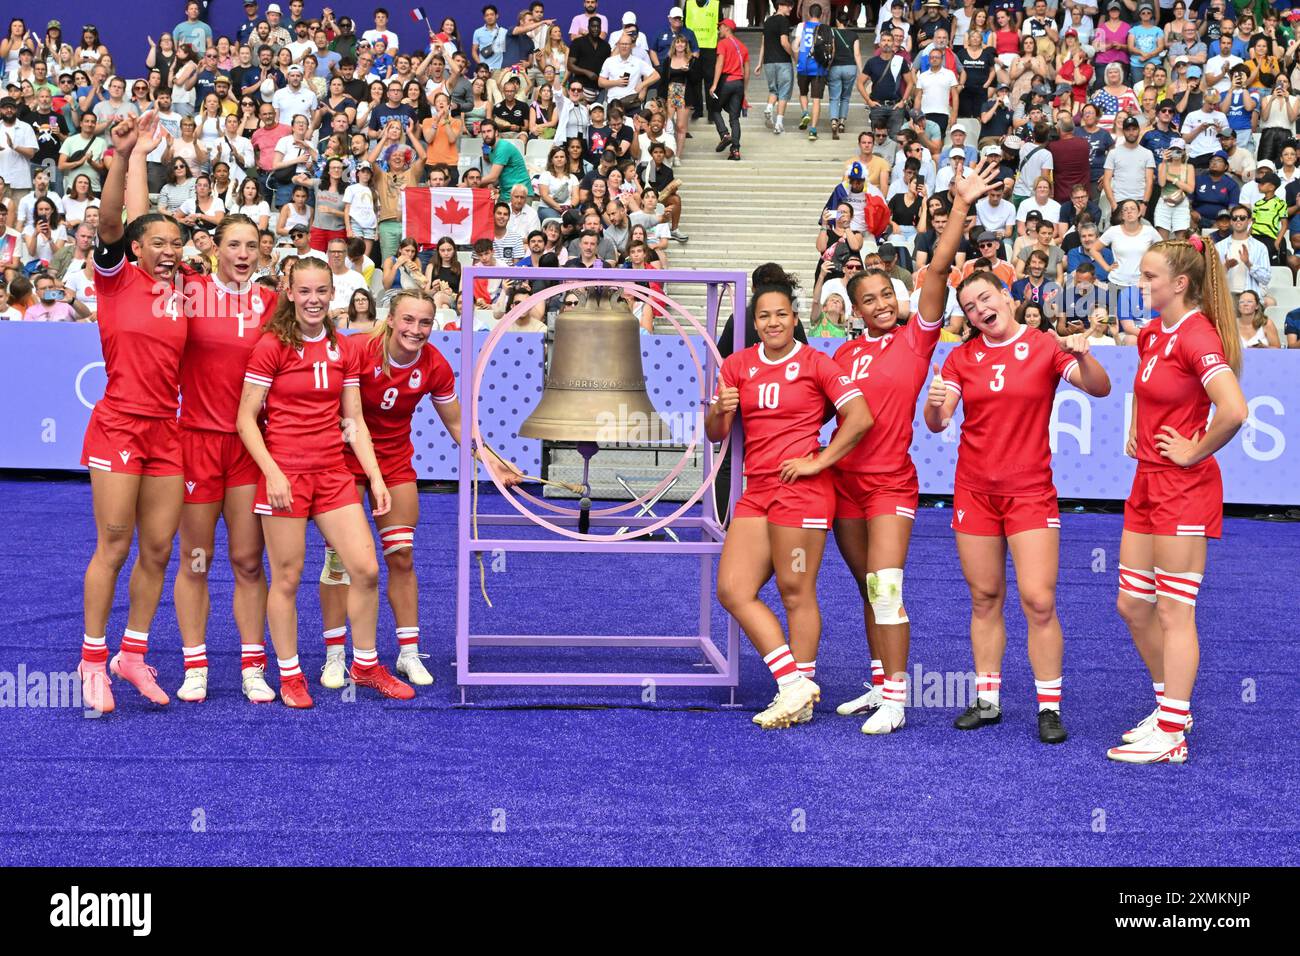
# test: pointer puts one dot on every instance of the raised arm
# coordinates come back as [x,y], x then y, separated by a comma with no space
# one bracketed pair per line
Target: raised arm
[965,193]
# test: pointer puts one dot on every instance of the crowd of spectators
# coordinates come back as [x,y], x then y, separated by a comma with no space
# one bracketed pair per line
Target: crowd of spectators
[1115,124]
[314,124]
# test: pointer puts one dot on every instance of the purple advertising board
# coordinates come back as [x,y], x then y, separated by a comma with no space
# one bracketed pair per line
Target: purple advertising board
[51,376]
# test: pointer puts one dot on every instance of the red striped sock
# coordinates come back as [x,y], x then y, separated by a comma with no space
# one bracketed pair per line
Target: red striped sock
[1049,694]
[988,687]
[877,673]
[895,691]
[94,650]
[363,658]
[195,656]
[1159,688]
[782,665]
[335,637]
[1173,715]
[807,669]
[252,655]
[288,667]
[408,640]
[135,642]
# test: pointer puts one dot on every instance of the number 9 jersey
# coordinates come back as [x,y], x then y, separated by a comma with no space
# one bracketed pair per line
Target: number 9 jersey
[389,399]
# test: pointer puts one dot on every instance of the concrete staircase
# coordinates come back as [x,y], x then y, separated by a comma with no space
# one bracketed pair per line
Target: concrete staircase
[765,207]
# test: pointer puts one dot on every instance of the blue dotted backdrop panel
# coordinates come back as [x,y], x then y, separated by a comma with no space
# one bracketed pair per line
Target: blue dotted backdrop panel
[512,385]
[672,384]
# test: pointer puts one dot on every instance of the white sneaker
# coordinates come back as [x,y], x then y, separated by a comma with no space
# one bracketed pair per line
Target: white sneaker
[804,716]
[790,702]
[768,117]
[1155,747]
[410,667]
[779,128]
[886,719]
[1148,725]
[335,672]
[873,698]
[256,689]
[195,688]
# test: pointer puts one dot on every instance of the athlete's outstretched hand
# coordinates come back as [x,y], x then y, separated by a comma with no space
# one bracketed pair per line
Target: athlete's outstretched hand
[149,132]
[1076,344]
[979,181]
[1181,451]
[503,471]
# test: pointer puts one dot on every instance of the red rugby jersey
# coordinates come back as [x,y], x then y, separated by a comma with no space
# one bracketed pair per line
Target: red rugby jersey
[389,399]
[223,331]
[1007,391]
[1174,366]
[142,330]
[303,404]
[783,402]
[891,371]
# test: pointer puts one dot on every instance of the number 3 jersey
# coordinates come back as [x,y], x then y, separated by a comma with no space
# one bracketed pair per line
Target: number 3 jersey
[783,402]
[1007,390]
[303,404]
[1174,366]
[389,398]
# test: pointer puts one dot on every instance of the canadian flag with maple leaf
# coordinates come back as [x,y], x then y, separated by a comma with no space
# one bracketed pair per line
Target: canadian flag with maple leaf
[428,214]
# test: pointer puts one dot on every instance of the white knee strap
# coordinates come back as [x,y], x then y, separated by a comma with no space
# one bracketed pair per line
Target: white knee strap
[1181,586]
[396,537]
[333,572]
[885,594]
[1138,583]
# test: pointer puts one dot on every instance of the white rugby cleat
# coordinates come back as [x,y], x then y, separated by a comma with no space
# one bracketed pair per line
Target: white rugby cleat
[869,701]
[335,672]
[1148,724]
[886,719]
[195,688]
[1155,747]
[256,689]
[790,702]
[411,667]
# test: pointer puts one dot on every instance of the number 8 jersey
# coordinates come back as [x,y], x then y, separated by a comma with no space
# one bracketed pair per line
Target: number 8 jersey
[1174,366]
[783,402]
[1007,391]
[303,404]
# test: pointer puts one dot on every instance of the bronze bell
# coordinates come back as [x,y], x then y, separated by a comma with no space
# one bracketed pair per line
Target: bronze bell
[595,390]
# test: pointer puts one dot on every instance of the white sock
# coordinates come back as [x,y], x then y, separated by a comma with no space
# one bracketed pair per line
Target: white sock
[1160,692]
[1049,694]
[365,658]
[989,687]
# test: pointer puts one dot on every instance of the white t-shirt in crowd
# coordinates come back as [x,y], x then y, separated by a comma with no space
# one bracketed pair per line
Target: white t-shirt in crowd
[935,86]
[1050,210]
[289,103]
[361,206]
[614,68]
[995,218]
[344,286]
[1128,251]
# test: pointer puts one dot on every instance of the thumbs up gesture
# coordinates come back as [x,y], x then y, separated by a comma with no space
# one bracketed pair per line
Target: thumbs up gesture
[938,393]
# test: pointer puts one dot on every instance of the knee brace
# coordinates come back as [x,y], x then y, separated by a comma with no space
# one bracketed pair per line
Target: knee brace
[885,594]
[333,572]
[1137,583]
[396,537]
[1181,586]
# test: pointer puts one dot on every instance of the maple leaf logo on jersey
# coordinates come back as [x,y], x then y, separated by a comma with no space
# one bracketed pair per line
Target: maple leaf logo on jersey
[415,378]
[792,371]
[979,356]
[1169,348]
[1022,350]
[884,342]
[451,212]
[332,353]
[258,304]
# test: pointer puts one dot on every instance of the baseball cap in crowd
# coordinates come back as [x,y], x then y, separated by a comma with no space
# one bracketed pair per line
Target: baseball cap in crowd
[8,101]
[986,236]
[629,18]
[676,12]
[992,149]
[273,8]
[1132,123]
[1177,144]
[1264,164]
[54,25]
[1228,133]
[1219,154]
[298,230]
[887,251]
[295,68]
[729,23]
[856,171]
[932,3]
[1013,143]
[1222,214]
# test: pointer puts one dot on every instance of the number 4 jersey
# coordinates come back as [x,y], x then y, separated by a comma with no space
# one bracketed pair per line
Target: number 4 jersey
[1007,390]
[303,404]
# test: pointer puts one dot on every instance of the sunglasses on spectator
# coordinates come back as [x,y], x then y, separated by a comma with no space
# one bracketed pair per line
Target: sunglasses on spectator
[1241,219]
[850,266]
